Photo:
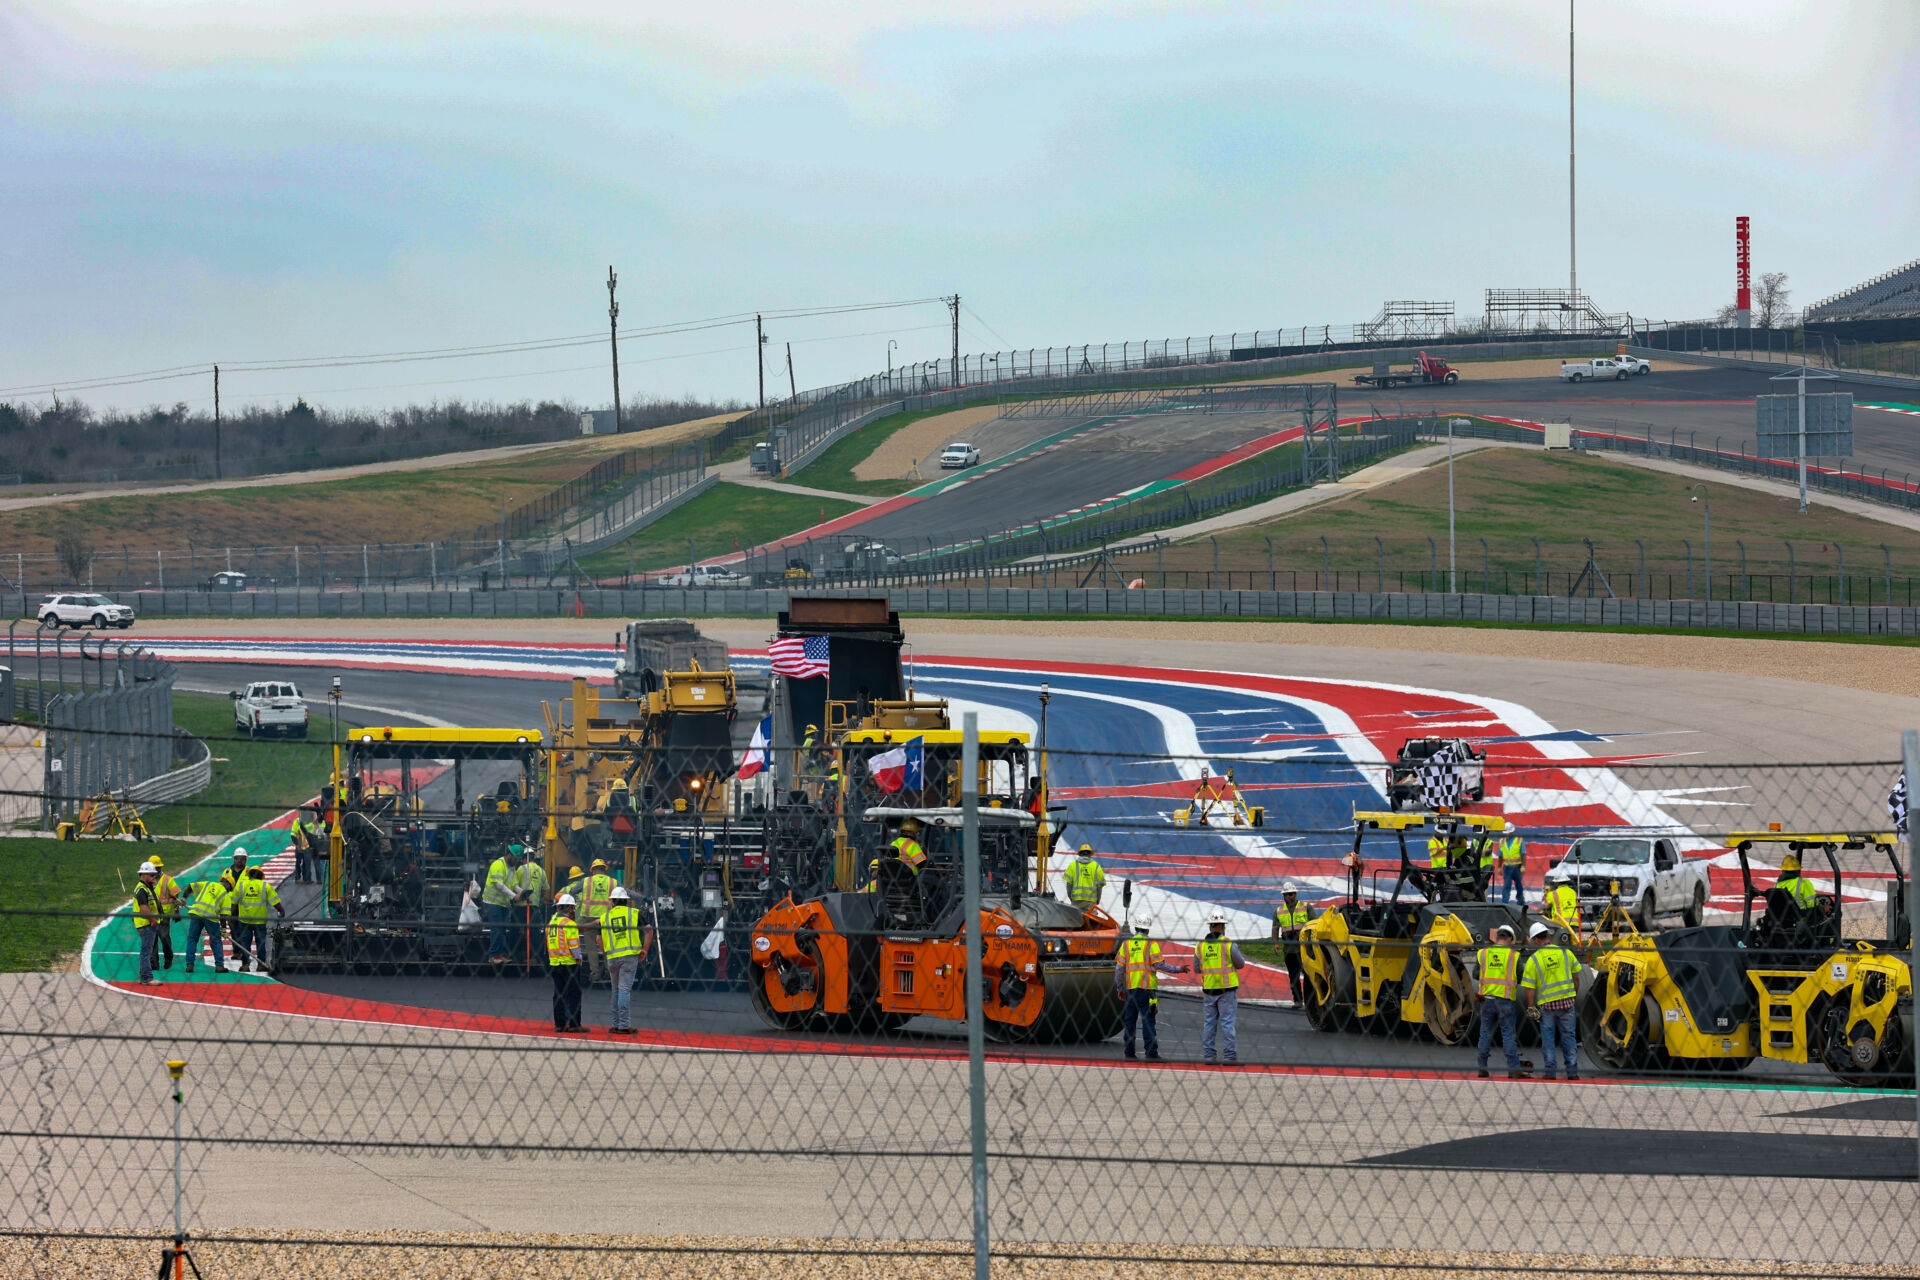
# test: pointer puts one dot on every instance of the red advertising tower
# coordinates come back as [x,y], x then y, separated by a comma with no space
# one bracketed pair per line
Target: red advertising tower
[1743,274]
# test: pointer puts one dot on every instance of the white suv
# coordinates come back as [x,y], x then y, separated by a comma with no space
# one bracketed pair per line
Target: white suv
[959,454]
[79,610]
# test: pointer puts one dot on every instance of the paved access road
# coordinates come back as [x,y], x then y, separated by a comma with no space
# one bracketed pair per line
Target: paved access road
[1710,403]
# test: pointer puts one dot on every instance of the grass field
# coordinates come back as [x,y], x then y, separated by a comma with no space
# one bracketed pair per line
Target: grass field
[86,877]
[254,781]
[725,518]
[833,470]
[1510,497]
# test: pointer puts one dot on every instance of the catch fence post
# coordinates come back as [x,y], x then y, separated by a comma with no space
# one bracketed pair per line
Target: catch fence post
[976,1029]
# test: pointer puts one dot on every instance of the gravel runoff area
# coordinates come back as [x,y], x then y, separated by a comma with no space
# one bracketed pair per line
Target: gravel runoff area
[489,1255]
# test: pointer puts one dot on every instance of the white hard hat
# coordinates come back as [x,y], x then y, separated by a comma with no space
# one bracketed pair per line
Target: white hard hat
[619,893]
[148,869]
[1216,916]
[1539,930]
[564,900]
[1143,922]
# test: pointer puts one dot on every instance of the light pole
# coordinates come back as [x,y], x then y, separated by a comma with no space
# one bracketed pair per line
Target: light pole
[1453,583]
[891,344]
[1701,496]
[1043,843]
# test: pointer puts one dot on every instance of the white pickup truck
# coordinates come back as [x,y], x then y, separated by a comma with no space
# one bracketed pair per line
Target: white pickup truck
[270,706]
[1654,878]
[703,575]
[1604,367]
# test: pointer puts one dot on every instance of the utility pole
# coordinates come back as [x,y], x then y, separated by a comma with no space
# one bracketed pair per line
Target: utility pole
[216,422]
[1573,273]
[760,357]
[953,305]
[613,342]
[793,392]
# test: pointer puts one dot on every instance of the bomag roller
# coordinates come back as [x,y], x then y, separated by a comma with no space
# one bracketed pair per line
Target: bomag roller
[1786,986]
[1382,962]
[875,958]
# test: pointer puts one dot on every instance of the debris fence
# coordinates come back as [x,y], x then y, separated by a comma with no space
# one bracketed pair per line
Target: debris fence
[385,1094]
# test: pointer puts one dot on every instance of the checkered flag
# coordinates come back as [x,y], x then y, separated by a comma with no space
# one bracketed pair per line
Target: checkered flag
[1440,778]
[1897,804]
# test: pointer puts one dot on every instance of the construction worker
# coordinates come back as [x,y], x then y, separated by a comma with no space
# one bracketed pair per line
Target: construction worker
[1498,989]
[626,941]
[530,880]
[1513,861]
[230,881]
[307,835]
[146,920]
[873,878]
[1219,962]
[1288,919]
[251,899]
[563,963]
[1438,848]
[1562,906]
[497,900]
[1799,891]
[1489,864]
[810,749]
[207,904]
[906,846]
[1549,981]
[167,890]
[594,899]
[1137,967]
[1084,879]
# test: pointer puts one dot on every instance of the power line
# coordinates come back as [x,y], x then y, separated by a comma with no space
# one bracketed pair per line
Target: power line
[524,346]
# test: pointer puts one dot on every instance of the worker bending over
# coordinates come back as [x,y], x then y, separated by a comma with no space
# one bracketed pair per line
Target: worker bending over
[207,905]
[1136,971]
[1219,962]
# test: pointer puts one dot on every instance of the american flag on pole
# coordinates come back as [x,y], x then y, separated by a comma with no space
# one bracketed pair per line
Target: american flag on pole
[800,658]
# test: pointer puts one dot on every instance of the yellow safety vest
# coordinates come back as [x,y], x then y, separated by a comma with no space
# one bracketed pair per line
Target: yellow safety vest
[168,891]
[1497,972]
[1291,917]
[563,941]
[144,901]
[1436,851]
[1512,851]
[1801,891]
[499,888]
[1085,878]
[621,933]
[908,850]
[1563,905]
[532,878]
[251,900]
[597,896]
[1216,965]
[1487,854]
[1139,955]
[1551,974]
[207,899]
[576,886]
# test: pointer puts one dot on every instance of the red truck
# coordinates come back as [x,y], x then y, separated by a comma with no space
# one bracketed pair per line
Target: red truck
[1426,370]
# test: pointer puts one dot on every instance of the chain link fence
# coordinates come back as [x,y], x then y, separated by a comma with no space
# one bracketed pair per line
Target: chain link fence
[809,1084]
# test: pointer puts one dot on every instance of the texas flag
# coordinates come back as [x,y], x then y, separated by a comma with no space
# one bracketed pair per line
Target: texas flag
[756,758]
[903,768]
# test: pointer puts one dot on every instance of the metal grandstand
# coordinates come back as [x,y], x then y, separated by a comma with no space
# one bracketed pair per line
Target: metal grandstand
[1548,311]
[1890,295]
[1407,320]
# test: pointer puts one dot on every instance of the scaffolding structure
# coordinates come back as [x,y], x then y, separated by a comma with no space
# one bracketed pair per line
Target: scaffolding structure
[1407,319]
[1548,311]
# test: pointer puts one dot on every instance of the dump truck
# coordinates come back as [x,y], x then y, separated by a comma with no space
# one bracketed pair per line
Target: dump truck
[1425,370]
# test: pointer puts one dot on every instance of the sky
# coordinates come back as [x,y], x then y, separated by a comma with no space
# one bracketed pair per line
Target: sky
[261,181]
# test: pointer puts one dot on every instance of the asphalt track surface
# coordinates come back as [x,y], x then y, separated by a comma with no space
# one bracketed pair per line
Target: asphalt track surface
[1271,1036]
[1102,459]
[1712,404]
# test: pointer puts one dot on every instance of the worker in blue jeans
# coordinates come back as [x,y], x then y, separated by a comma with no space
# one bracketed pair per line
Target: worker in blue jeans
[1137,967]
[1219,962]
[1498,988]
[1513,862]
[1549,983]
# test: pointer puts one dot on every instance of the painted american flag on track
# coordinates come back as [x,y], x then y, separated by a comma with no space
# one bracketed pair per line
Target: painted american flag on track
[799,658]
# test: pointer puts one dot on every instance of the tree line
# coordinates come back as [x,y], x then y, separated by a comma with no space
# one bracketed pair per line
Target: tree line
[70,441]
